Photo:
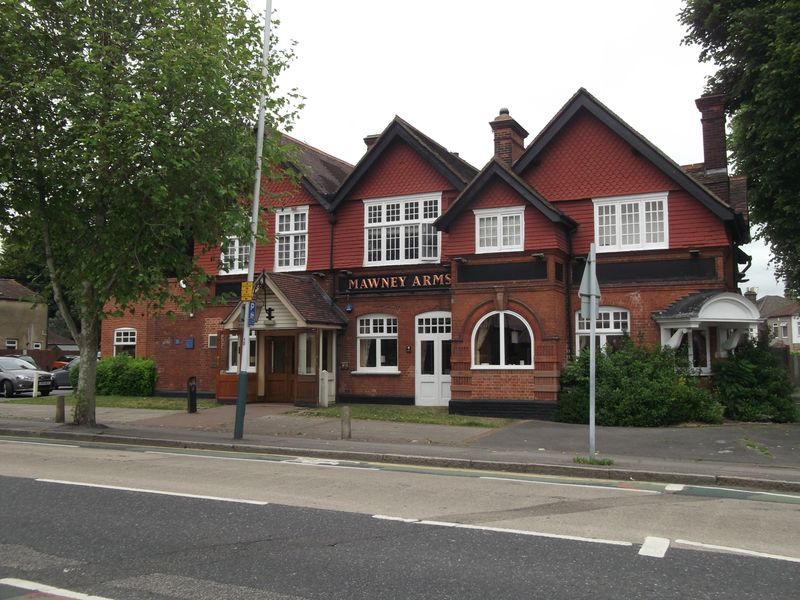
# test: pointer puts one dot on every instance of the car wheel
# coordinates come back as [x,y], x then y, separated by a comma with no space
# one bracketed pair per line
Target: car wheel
[45,392]
[8,389]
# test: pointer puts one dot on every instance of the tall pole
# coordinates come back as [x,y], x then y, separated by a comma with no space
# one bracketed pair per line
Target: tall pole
[244,343]
[594,292]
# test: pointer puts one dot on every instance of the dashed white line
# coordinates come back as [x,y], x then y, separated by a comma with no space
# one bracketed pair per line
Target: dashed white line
[148,491]
[40,443]
[738,551]
[388,518]
[578,485]
[654,546]
[674,487]
[47,589]
[297,461]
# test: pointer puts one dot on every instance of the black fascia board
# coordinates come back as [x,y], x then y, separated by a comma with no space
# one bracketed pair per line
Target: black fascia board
[395,130]
[491,170]
[584,100]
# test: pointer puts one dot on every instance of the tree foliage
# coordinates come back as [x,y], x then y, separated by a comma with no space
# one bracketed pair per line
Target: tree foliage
[126,133]
[756,45]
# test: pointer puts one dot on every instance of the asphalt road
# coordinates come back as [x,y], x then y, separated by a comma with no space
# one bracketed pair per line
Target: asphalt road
[277,528]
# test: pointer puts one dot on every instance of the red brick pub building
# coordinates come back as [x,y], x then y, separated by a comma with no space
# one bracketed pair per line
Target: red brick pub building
[415,278]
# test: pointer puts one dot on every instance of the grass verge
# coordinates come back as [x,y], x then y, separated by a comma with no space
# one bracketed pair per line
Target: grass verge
[429,415]
[591,460]
[152,402]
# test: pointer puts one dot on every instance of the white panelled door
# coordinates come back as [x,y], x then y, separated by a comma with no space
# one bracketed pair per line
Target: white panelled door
[433,359]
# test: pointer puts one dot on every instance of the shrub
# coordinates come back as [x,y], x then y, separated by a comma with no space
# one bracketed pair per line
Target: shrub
[753,386]
[636,386]
[123,376]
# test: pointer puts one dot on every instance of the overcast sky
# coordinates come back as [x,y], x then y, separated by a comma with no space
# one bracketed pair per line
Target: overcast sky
[448,66]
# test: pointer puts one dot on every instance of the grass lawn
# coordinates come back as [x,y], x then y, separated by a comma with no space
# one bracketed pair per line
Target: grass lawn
[156,402]
[431,415]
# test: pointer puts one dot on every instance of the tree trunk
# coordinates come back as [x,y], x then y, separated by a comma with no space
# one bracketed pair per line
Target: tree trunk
[86,394]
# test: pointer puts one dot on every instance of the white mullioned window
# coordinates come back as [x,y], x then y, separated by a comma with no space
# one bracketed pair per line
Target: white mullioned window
[611,326]
[377,343]
[291,238]
[235,256]
[499,229]
[502,339]
[125,341]
[631,222]
[234,353]
[400,230]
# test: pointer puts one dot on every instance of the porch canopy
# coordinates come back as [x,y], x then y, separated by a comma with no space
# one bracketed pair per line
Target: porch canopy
[731,314]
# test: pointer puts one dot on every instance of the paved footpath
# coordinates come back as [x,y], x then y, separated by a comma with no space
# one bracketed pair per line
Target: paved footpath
[754,455]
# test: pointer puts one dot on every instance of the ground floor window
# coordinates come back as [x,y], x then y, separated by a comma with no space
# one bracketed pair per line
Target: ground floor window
[234,353]
[307,354]
[693,344]
[611,326]
[12,343]
[377,343]
[502,339]
[125,341]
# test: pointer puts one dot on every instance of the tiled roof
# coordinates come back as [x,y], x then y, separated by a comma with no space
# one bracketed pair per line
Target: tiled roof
[769,306]
[325,172]
[308,298]
[687,306]
[11,290]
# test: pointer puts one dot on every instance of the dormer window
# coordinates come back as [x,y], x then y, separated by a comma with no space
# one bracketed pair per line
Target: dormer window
[499,229]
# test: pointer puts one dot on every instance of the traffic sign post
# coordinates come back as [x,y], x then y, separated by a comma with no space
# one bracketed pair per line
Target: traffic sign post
[590,298]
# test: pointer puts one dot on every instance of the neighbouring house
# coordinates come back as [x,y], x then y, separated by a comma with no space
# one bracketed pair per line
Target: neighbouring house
[415,278]
[23,318]
[781,320]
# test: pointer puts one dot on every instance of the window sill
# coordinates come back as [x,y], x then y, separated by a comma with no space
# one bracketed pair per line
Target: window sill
[502,367]
[376,372]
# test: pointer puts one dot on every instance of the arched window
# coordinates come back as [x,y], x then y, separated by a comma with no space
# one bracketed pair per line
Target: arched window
[502,339]
[377,343]
[612,325]
[125,341]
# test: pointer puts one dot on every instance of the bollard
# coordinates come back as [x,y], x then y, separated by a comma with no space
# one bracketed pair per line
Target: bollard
[60,409]
[191,397]
[345,412]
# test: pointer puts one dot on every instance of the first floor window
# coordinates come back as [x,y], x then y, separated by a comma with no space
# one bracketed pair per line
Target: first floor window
[235,257]
[234,352]
[611,326]
[12,343]
[499,230]
[37,345]
[400,230]
[377,343]
[631,222]
[291,238]
[502,339]
[125,341]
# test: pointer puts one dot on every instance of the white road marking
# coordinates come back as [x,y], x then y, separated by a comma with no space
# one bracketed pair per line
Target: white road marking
[675,487]
[147,491]
[311,462]
[744,491]
[39,443]
[516,532]
[47,589]
[654,546]
[738,551]
[580,485]
[388,518]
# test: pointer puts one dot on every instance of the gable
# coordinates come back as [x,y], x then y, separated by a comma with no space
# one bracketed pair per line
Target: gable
[399,171]
[586,159]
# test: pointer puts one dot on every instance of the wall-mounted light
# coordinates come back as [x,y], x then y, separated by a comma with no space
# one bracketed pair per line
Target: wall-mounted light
[538,255]
[319,274]
[460,260]
[408,349]
[694,253]
[345,272]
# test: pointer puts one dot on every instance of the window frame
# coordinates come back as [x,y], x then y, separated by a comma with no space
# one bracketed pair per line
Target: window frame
[238,249]
[233,357]
[12,343]
[499,234]
[389,322]
[640,201]
[293,235]
[502,366]
[119,340]
[425,231]
[601,332]
[209,344]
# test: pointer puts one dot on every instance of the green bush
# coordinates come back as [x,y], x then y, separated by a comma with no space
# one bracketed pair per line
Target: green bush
[636,386]
[753,386]
[122,376]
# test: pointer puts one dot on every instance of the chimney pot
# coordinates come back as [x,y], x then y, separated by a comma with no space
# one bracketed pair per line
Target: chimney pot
[371,139]
[509,138]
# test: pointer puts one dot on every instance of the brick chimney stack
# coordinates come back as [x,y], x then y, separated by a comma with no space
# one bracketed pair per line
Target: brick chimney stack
[715,155]
[509,138]
[751,294]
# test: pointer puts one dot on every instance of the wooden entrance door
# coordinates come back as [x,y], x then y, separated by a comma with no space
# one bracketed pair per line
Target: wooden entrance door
[280,369]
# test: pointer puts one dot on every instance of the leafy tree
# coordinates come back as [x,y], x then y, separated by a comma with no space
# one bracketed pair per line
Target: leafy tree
[756,45]
[126,132]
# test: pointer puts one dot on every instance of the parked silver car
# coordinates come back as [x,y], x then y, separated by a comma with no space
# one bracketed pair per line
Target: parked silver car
[16,375]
